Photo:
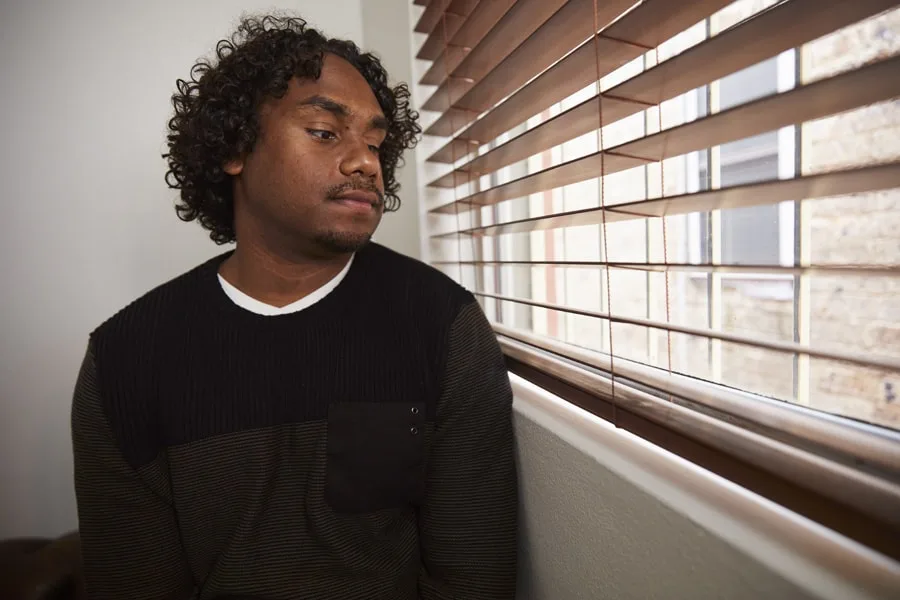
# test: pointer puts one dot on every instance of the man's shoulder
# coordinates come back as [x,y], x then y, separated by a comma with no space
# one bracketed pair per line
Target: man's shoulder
[413,278]
[155,308]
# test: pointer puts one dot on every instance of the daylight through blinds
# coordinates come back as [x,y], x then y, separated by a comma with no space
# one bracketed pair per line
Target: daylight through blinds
[702,189]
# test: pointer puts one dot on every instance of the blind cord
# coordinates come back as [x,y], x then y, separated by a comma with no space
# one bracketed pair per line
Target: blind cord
[600,149]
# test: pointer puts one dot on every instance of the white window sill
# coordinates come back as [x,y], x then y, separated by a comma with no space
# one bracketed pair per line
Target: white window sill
[815,558]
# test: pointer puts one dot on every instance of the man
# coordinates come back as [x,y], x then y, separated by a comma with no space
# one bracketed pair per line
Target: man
[310,416]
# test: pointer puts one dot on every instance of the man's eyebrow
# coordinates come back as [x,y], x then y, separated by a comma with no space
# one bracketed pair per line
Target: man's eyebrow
[336,108]
[379,122]
[342,111]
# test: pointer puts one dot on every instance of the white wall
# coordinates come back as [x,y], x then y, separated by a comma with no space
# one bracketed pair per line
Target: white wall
[605,514]
[385,27]
[87,221]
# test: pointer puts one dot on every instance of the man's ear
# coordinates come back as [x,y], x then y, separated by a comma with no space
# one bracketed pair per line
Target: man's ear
[234,166]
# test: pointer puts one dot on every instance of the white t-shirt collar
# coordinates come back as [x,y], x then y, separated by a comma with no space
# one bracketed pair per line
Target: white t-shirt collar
[261,308]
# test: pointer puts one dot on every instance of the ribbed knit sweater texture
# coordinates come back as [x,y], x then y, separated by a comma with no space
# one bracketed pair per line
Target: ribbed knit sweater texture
[360,449]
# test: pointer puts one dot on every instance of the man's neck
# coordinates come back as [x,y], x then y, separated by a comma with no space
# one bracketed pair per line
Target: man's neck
[275,280]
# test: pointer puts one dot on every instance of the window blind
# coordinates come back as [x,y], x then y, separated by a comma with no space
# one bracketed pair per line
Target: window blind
[689,209]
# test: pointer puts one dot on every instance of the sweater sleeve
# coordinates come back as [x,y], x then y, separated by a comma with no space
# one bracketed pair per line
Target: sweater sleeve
[129,535]
[468,520]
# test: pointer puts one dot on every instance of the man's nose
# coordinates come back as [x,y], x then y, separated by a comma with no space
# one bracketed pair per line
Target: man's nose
[360,160]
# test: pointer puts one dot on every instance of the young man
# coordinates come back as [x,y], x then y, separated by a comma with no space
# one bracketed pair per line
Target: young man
[310,416]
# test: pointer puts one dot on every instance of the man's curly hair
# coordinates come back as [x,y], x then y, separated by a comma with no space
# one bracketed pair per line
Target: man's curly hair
[217,112]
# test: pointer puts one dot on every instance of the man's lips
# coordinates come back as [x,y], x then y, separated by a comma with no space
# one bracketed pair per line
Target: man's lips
[359,196]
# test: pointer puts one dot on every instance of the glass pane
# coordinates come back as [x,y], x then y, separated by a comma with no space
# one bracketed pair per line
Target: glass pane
[749,84]
[758,370]
[750,235]
[760,308]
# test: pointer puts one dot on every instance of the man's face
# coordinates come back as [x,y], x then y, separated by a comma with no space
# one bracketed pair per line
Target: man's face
[313,177]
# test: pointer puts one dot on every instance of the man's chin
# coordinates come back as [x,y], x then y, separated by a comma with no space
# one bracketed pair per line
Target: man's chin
[343,242]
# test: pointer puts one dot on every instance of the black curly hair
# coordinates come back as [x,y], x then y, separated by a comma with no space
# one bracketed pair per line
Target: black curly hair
[217,119]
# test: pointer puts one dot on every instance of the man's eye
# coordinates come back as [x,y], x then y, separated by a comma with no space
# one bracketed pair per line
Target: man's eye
[322,134]
[375,149]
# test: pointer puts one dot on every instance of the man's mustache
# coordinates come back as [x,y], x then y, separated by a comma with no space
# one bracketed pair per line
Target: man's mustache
[353,186]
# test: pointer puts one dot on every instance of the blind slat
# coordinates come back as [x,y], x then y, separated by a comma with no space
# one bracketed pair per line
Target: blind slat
[870,178]
[772,27]
[867,85]
[870,84]
[434,45]
[448,60]
[579,120]
[781,28]
[567,28]
[859,442]
[519,22]
[650,23]
[874,361]
[746,271]
[480,22]
[852,487]
[431,16]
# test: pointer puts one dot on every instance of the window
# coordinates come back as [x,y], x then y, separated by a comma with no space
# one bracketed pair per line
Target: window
[752,235]
[703,224]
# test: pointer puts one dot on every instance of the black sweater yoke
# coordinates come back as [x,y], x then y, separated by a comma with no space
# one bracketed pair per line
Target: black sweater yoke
[359,449]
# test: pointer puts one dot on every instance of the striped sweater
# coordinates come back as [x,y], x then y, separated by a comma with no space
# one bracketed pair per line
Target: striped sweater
[359,449]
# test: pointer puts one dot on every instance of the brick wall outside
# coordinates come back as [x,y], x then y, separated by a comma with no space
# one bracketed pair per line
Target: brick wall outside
[859,314]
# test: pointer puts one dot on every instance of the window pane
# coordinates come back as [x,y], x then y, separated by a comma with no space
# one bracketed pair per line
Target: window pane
[749,84]
[749,160]
[750,235]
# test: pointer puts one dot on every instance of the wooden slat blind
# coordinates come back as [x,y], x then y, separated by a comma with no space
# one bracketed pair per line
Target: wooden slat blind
[470,33]
[529,55]
[523,18]
[456,14]
[870,84]
[535,109]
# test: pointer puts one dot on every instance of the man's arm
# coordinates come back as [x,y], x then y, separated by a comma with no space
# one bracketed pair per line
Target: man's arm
[468,521]
[129,536]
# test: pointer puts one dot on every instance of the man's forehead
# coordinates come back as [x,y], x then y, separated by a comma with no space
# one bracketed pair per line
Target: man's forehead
[340,82]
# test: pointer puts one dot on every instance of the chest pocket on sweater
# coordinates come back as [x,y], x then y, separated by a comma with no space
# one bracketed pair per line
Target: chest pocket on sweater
[376,456]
